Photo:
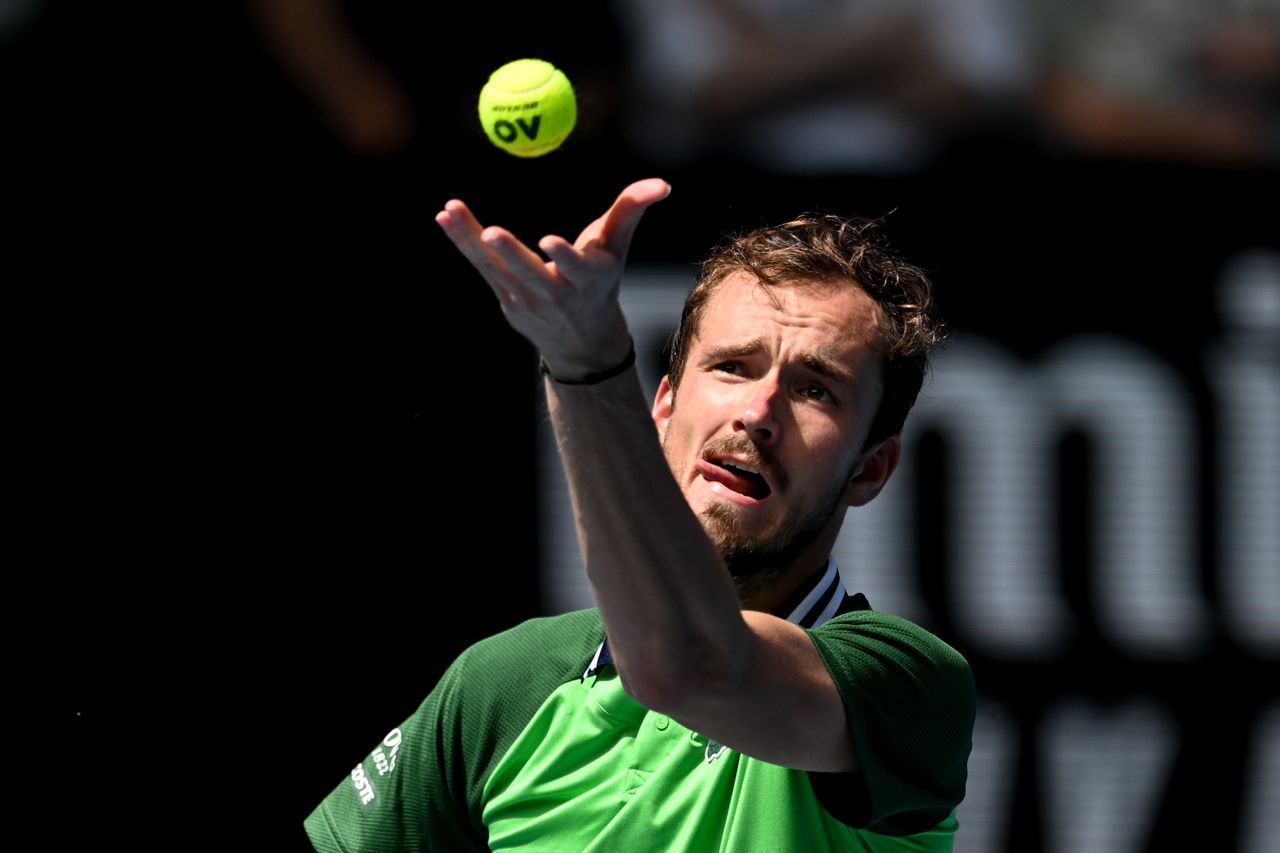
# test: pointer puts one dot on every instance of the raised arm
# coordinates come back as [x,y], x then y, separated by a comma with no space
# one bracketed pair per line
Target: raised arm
[681,641]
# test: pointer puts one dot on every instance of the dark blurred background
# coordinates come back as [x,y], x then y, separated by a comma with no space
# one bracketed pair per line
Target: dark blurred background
[280,458]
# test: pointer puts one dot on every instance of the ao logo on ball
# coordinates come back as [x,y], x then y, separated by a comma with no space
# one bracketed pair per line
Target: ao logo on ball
[528,107]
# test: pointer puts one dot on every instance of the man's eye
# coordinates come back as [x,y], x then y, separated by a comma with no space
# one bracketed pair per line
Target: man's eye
[733,367]
[816,392]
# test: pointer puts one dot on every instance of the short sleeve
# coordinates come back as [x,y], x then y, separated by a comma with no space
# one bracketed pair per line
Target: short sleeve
[409,792]
[911,705]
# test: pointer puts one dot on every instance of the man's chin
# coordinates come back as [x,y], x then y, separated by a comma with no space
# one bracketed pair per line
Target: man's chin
[747,556]
[727,526]
[761,554]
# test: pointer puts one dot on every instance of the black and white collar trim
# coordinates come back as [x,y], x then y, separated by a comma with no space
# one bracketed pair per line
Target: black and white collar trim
[823,600]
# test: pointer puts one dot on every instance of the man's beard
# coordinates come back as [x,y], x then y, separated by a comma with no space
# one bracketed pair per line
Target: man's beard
[756,562]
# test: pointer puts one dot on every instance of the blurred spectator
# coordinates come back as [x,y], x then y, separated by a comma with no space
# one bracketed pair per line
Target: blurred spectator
[1179,81]
[818,86]
[358,96]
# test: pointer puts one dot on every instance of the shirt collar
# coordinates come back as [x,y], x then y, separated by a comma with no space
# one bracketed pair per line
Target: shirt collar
[816,605]
[820,602]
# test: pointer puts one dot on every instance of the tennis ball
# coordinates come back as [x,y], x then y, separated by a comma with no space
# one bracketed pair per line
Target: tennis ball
[528,107]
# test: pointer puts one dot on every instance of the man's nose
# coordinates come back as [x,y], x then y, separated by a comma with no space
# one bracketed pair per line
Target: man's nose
[759,418]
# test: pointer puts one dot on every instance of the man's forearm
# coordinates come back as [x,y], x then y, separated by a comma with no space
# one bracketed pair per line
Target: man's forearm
[664,594]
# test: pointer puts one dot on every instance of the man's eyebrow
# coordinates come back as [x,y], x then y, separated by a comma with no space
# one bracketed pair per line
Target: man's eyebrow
[824,365]
[820,363]
[720,352]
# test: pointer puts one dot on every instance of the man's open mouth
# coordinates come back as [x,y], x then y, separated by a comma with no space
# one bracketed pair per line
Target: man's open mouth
[743,478]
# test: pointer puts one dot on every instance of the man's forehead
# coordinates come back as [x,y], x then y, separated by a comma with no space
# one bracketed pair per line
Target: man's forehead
[843,303]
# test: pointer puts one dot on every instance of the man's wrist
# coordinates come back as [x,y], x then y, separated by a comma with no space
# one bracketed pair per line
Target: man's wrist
[597,377]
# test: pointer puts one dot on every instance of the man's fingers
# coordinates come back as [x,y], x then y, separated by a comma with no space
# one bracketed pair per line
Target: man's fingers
[614,230]
[572,264]
[512,270]
[462,228]
[518,274]
[518,257]
[456,215]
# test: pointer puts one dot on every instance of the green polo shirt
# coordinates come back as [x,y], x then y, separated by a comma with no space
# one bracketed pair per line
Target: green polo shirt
[523,745]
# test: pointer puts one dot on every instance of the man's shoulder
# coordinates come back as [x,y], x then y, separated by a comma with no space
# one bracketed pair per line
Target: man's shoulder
[562,640]
[572,623]
[880,632]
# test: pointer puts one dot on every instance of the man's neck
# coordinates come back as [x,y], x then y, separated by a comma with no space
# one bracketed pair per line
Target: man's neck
[779,593]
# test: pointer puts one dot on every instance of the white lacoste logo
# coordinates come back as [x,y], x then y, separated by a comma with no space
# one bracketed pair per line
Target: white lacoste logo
[384,758]
[386,761]
[714,750]
[363,786]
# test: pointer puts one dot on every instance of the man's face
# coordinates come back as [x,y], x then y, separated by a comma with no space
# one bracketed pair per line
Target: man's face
[775,403]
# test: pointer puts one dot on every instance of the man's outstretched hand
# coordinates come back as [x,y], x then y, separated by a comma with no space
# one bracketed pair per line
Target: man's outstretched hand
[566,304]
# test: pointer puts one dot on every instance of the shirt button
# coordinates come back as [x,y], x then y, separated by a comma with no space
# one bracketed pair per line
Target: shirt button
[662,722]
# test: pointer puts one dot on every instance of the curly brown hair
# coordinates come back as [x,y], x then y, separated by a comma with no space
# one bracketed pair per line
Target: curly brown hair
[833,249]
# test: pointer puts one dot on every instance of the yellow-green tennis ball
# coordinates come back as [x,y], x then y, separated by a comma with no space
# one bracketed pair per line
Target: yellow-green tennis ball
[528,107]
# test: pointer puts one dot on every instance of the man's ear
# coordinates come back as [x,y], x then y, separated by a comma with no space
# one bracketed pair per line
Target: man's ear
[663,402]
[873,471]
